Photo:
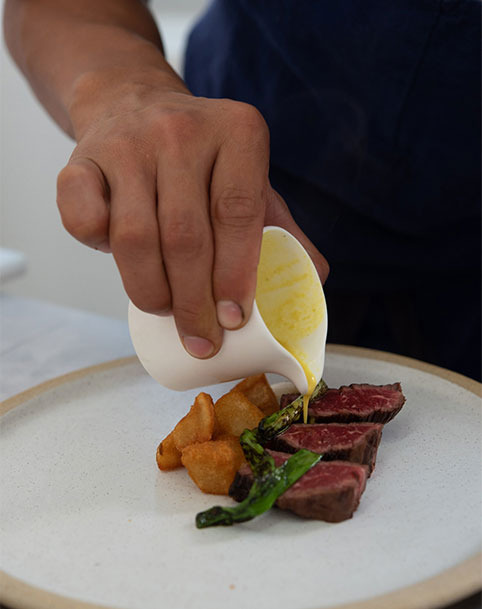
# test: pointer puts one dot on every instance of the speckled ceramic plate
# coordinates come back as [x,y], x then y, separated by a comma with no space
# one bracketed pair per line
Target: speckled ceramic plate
[87,520]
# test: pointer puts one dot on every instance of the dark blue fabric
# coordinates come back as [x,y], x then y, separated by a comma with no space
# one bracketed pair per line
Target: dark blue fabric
[374,112]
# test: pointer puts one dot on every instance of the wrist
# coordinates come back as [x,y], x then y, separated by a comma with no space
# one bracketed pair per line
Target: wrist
[109,91]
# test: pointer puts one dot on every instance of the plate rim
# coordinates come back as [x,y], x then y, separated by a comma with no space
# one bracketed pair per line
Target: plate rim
[448,586]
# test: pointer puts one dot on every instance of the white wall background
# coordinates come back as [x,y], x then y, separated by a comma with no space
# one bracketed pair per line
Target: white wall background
[32,152]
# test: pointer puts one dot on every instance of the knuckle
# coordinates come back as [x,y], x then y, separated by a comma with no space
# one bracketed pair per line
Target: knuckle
[87,223]
[86,230]
[131,236]
[183,238]
[69,178]
[188,314]
[248,119]
[238,208]
[177,132]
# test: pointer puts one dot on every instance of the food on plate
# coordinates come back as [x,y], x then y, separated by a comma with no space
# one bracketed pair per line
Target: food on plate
[233,447]
[167,455]
[328,491]
[354,442]
[217,428]
[357,402]
[212,465]
[256,455]
[233,441]
[234,413]
[258,391]
[270,483]
[197,425]
[279,421]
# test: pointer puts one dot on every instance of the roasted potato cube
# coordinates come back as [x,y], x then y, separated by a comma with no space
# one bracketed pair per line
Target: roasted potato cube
[258,391]
[233,442]
[197,425]
[167,456]
[234,413]
[211,465]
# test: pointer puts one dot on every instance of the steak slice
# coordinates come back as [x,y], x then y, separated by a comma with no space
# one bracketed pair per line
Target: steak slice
[287,398]
[355,442]
[355,403]
[328,491]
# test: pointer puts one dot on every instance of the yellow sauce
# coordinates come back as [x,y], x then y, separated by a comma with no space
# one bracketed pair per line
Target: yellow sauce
[289,300]
[311,387]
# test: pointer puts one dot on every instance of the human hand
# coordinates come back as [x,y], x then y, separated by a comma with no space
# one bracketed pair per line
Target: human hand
[177,188]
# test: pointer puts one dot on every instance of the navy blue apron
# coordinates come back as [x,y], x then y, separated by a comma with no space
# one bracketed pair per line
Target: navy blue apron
[374,112]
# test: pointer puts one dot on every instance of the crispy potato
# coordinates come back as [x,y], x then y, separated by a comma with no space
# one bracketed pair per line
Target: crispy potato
[212,465]
[258,391]
[167,456]
[233,442]
[197,425]
[234,413]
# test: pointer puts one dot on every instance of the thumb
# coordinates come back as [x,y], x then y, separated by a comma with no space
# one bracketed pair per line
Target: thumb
[278,214]
[82,194]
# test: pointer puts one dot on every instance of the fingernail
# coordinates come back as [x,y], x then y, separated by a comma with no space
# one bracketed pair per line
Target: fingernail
[230,315]
[197,346]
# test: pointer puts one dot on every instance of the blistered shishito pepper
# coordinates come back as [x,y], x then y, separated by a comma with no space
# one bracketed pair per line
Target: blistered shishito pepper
[279,421]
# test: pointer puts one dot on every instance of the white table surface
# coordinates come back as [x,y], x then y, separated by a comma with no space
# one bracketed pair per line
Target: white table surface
[39,341]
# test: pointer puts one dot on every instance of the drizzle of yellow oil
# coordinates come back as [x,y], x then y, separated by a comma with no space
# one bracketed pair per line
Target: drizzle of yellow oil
[311,387]
[288,299]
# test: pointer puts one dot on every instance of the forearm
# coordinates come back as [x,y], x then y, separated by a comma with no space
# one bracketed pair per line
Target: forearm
[76,52]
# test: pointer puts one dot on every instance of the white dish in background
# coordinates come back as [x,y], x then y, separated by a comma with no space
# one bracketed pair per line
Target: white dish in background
[12,264]
[87,519]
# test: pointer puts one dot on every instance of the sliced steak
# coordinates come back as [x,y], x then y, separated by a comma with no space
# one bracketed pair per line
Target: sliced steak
[355,442]
[287,398]
[355,403]
[329,491]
